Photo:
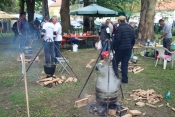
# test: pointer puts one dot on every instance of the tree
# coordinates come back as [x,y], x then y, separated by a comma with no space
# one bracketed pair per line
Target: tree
[146,24]
[30,9]
[65,17]
[45,9]
[9,6]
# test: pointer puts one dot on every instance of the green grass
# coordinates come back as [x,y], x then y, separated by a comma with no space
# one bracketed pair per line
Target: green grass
[59,101]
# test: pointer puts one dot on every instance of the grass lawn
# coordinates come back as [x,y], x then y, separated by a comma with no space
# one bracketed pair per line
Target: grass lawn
[59,101]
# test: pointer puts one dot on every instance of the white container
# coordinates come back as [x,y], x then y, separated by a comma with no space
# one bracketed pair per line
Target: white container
[75,48]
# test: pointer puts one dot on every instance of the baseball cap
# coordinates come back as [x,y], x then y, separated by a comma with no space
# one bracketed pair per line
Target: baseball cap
[122,18]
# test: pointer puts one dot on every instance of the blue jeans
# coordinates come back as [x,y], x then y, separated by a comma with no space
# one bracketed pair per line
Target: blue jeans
[57,49]
[122,56]
[104,45]
[49,52]
[24,39]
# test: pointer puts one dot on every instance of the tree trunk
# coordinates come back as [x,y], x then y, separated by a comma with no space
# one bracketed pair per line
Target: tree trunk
[21,6]
[30,9]
[146,25]
[85,29]
[65,17]
[45,9]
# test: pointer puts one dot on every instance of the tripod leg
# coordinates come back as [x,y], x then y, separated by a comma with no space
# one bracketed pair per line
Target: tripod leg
[30,65]
[121,91]
[91,72]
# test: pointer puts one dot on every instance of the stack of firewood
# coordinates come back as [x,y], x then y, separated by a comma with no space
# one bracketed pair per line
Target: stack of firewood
[54,81]
[135,70]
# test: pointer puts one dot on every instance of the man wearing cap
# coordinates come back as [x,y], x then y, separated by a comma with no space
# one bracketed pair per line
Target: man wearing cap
[124,41]
[23,28]
[167,35]
[48,41]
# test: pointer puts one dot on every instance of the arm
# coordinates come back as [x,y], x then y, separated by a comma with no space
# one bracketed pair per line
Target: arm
[117,38]
[166,30]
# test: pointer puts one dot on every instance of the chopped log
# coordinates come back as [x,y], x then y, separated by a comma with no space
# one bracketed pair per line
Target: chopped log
[135,112]
[160,105]
[48,82]
[46,79]
[81,103]
[63,77]
[150,105]
[140,104]
[112,112]
[139,71]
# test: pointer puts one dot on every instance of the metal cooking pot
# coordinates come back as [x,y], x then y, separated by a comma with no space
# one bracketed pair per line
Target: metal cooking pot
[49,69]
[106,92]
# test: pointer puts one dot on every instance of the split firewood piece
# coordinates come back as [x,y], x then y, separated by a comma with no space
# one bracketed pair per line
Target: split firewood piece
[140,104]
[42,72]
[70,79]
[41,77]
[89,64]
[46,79]
[170,107]
[138,70]
[63,77]
[81,103]
[135,112]
[160,105]
[75,80]
[150,105]
[112,112]
[48,82]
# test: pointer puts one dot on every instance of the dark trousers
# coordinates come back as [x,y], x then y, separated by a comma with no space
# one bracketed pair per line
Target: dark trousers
[49,52]
[37,32]
[167,44]
[57,49]
[122,56]
[15,36]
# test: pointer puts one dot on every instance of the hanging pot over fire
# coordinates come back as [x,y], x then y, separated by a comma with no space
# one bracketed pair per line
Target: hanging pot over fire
[106,92]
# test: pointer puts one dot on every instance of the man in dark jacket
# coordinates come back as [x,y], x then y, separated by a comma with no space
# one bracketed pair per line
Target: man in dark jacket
[123,43]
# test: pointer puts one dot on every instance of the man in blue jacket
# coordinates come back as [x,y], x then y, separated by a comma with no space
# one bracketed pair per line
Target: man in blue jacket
[124,41]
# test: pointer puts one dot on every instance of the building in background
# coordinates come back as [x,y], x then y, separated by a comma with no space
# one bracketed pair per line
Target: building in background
[54,8]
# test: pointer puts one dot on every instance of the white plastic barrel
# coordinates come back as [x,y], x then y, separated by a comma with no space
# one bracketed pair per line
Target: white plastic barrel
[75,48]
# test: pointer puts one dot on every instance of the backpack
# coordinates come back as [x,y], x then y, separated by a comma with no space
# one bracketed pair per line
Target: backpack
[14,28]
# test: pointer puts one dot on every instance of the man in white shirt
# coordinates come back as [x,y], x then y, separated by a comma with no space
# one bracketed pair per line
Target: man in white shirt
[58,36]
[48,41]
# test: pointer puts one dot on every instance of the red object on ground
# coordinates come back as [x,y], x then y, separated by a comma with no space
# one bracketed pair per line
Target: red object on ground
[156,56]
[63,42]
[104,54]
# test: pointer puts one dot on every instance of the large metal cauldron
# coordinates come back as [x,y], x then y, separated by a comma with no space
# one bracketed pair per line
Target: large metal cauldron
[27,50]
[103,93]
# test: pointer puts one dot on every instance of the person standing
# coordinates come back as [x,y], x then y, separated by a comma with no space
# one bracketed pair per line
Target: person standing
[104,36]
[23,29]
[124,41]
[15,30]
[167,34]
[58,36]
[37,26]
[48,41]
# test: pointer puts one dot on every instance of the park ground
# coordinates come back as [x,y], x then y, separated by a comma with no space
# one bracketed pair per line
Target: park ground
[59,101]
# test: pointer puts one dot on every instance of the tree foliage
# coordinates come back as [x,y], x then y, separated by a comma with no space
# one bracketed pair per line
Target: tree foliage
[9,6]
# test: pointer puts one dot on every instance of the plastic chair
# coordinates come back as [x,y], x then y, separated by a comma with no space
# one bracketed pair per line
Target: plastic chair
[164,57]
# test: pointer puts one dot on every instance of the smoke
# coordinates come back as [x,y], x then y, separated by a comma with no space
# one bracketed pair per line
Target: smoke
[102,81]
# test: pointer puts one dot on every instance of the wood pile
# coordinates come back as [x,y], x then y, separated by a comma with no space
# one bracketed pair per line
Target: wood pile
[54,81]
[28,60]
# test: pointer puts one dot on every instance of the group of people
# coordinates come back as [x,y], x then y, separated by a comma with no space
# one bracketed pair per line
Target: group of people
[122,41]
[23,28]
[52,36]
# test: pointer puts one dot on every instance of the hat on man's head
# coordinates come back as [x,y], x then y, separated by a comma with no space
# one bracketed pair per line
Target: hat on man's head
[122,18]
